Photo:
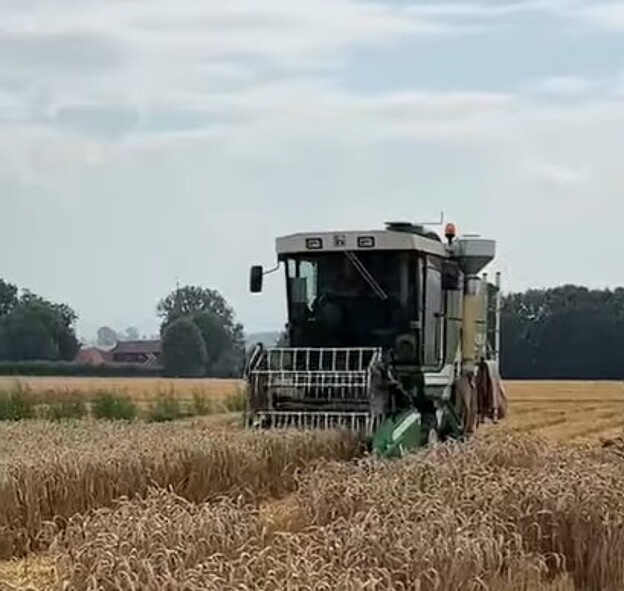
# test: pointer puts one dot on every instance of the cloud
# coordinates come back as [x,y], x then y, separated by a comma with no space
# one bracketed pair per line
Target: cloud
[119,68]
[148,141]
[559,176]
[59,53]
[309,157]
[68,62]
[99,120]
[607,16]
[591,14]
[484,9]
[565,86]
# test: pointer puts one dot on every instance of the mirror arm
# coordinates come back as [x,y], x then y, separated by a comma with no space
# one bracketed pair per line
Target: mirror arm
[273,270]
[257,275]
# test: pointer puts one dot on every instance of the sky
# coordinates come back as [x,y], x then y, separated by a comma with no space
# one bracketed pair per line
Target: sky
[149,142]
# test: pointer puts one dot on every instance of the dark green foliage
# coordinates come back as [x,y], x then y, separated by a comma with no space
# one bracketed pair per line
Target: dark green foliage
[202,405]
[8,297]
[16,404]
[28,337]
[66,409]
[113,407]
[4,342]
[191,299]
[223,336]
[166,408]
[32,328]
[220,353]
[236,403]
[183,349]
[568,332]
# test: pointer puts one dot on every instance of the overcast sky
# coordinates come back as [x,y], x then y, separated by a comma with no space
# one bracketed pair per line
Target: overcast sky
[148,141]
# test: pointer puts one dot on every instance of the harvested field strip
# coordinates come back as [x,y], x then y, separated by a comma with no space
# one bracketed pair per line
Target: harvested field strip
[539,424]
[565,422]
[531,408]
[606,431]
[503,515]
[49,472]
[572,400]
[537,388]
[608,435]
[565,411]
[580,430]
[521,408]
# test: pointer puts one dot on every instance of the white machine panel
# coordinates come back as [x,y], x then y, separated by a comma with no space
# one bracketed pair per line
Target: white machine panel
[362,241]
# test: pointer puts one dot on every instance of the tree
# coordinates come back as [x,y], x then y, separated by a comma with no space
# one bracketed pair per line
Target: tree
[568,332]
[183,348]
[191,299]
[132,334]
[106,337]
[59,320]
[8,297]
[36,329]
[28,337]
[223,336]
[218,342]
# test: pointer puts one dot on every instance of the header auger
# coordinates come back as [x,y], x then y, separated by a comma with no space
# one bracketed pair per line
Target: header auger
[393,334]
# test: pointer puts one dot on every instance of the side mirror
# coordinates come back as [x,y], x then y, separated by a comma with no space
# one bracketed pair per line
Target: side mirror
[256,276]
[451,276]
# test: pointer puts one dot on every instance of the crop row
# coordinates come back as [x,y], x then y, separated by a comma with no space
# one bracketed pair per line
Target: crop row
[501,515]
[20,403]
[52,471]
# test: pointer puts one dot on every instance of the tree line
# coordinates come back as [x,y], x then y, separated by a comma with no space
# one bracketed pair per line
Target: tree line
[567,332]
[199,333]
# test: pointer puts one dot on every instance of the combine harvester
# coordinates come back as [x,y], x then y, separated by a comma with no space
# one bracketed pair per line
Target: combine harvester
[393,334]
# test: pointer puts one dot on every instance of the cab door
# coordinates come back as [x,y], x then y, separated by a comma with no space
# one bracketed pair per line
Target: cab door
[492,318]
[433,313]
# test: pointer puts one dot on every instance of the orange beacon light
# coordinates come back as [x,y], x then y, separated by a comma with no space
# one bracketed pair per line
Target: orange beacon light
[450,232]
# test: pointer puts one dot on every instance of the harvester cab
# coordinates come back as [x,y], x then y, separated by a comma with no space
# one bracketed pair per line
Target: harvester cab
[393,334]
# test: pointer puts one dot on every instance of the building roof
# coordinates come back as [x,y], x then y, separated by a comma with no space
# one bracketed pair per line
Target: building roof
[144,346]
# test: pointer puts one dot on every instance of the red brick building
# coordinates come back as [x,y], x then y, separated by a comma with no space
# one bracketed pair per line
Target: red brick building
[93,356]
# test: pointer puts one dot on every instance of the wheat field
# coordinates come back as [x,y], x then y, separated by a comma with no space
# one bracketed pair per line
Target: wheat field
[140,390]
[566,411]
[533,503]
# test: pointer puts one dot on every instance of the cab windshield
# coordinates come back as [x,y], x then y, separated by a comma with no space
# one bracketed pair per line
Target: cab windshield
[348,298]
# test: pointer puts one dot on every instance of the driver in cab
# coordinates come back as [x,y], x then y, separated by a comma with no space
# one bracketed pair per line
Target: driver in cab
[348,282]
